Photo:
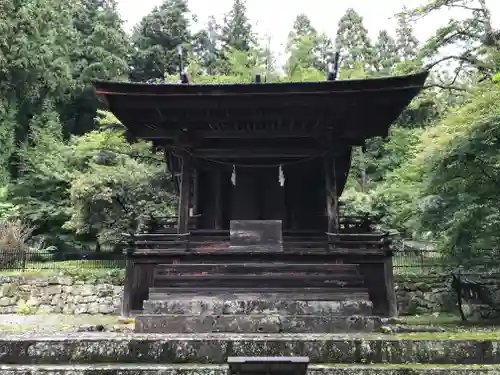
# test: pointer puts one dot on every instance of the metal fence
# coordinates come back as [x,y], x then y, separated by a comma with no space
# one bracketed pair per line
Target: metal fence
[46,260]
[429,260]
[405,260]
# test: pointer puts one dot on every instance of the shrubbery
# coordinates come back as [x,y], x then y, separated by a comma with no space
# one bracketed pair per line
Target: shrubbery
[14,235]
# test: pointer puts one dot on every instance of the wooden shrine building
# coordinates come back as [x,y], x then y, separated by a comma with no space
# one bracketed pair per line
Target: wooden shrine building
[262,159]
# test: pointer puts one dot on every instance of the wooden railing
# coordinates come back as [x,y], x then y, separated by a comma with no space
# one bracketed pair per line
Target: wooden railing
[375,241]
[153,241]
[168,224]
[356,224]
[348,224]
[356,234]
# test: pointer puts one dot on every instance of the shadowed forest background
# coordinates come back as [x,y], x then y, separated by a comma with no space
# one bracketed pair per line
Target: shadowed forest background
[72,179]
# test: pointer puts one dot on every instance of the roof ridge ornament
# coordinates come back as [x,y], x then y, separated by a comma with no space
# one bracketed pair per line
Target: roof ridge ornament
[181,62]
[333,67]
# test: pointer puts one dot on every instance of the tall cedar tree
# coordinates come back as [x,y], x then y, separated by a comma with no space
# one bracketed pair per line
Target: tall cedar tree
[353,42]
[307,48]
[35,66]
[237,31]
[406,43]
[207,48]
[156,39]
[385,54]
[302,26]
[104,46]
[103,52]
[356,52]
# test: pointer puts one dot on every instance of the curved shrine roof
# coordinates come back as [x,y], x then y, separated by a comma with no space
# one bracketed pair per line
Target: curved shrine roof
[352,109]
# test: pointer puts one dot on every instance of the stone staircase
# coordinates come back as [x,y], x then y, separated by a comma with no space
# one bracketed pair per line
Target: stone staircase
[257,298]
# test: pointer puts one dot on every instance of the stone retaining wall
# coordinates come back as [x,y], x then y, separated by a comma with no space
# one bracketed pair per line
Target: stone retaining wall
[417,295]
[428,294]
[57,295]
[68,295]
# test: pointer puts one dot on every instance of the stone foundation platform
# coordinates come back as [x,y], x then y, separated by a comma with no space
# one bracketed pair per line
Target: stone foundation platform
[263,323]
[206,354]
[222,370]
[247,313]
[258,304]
[102,348]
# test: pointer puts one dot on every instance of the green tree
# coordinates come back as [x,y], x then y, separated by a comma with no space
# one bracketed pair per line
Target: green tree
[385,54]
[325,52]
[353,42]
[301,56]
[156,39]
[8,124]
[245,63]
[35,66]
[103,44]
[41,190]
[459,200]
[90,188]
[476,42]
[116,187]
[102,52]
[302,27]
[237,31]
[406,43]
[307,50]
[207,48]
[269,61]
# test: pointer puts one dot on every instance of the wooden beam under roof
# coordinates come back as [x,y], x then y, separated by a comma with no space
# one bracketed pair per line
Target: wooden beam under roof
[296,115]
[239,153]
[151,134]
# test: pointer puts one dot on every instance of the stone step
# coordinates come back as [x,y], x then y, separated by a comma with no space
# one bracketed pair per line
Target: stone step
[224,251]
[348,294]
[270,323]
[247,281]
[197,369]
[96,348]
[254,268]
[257,305]
[200,242]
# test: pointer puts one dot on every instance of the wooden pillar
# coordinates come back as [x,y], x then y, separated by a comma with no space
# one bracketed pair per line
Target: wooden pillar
[217,178]
[195,192]
[332,208]
[185,193]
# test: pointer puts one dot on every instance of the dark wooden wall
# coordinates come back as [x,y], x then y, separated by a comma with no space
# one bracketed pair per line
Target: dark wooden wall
[258,195]
[214,197]
[305,196]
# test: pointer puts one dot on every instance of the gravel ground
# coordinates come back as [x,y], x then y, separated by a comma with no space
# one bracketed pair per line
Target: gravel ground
[53,323]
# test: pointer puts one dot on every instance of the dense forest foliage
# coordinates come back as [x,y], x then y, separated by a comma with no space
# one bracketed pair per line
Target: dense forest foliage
[69,171]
